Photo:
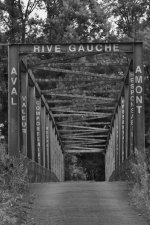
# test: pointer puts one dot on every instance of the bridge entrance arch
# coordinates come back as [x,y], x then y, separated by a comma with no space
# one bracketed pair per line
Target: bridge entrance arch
[33,130]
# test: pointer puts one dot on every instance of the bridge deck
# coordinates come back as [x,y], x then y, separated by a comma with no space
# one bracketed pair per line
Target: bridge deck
[80,203]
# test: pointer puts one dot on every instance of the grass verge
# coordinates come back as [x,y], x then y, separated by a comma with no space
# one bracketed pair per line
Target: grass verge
[15,199]
[140,188]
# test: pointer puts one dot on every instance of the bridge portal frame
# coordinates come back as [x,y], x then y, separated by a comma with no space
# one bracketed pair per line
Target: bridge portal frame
[17,71]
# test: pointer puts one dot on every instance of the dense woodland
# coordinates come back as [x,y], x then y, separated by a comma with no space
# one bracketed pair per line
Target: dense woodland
[75,21]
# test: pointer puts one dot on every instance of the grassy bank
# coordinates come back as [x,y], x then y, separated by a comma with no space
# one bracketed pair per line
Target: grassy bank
[140,182]
[15,200]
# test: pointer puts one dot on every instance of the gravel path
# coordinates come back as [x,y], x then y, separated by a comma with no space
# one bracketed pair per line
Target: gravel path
[83,203]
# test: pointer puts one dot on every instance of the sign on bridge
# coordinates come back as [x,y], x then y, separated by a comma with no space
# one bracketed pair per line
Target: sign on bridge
[76,48]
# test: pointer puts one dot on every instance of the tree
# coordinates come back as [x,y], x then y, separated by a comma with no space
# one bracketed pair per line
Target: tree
[72,21]
[72,170]
[15,18]
[94,166]
[131,15]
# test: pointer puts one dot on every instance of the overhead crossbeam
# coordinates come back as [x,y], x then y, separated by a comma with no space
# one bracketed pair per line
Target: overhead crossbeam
[71,64]
[79,122]
[96,79]
[74,151]
[81,148]
[46,93]
[84,127]
[55,92]
[85,135]
[83,73]
[82,140]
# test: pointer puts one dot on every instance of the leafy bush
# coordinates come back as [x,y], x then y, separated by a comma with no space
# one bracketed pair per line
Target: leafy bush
[13,174]
[13,186]
[140,192]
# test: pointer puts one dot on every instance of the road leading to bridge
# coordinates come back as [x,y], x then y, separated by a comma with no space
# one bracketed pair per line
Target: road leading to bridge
[83,203]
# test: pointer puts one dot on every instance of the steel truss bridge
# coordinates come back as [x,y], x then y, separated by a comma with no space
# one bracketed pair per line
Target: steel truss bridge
[77,105]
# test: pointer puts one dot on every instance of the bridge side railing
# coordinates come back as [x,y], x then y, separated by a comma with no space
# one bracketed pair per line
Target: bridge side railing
[37,136]
[128,124]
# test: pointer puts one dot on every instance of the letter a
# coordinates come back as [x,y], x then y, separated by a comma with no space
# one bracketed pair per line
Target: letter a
[138,69]
[13,71]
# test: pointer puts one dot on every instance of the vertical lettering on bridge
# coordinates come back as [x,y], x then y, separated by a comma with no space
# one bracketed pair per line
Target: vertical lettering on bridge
[47,140]
[116,140]
[13,102]
[131,111]
[139,97]
[47,147]
[24,84]
[123,127]
[38,129]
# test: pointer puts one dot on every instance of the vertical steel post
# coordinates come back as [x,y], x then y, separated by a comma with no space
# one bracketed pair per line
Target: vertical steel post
[13,101]
[119,133]
[57,158]
[29,152]
[43,121]
[131,111]
[32,120]
[126,95]
[113,146]
[50,144]
[139,97]
[116,142]
[24,105]
[123,127]
[60,164]
[63,168]
[47,140]
[55,152]
[51,147]
[52,150]
[38,130]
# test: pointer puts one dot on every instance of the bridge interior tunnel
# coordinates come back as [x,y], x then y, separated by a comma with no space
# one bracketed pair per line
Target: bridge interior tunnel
[83,101]
[82,91]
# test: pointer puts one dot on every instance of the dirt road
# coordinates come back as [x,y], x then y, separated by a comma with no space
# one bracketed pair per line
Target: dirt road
[84,203]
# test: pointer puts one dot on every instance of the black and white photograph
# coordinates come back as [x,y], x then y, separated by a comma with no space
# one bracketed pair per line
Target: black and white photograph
[74,112]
